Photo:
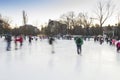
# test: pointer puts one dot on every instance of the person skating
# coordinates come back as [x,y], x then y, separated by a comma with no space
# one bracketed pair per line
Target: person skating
[118,46]
[15,40]
[101,40]
[8,39]
[79,43]
[21,40]
[51,40]
[110,41]
[30,39]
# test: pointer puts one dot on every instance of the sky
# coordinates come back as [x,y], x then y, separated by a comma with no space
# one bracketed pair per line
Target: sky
[40,11]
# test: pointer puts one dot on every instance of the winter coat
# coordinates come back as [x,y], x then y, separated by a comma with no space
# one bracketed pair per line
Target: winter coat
[118,45]
[79,41]
[8,38]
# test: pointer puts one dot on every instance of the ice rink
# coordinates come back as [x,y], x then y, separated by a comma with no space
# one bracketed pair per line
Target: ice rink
[36,62]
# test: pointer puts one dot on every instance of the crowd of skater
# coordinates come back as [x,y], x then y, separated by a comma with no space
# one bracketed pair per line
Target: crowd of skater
[20,38]
[111,41]
[78,41]
[100,39]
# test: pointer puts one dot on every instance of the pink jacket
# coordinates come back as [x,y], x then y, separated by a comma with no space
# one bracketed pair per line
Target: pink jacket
[118,44]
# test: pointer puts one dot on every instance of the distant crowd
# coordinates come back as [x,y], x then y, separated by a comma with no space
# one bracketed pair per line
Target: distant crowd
[79,40]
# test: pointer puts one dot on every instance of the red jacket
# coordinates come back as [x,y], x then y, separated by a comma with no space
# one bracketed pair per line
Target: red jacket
[20,39]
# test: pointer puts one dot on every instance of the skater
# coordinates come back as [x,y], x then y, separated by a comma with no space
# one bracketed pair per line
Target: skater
[110,41]
[101,40]
[118,46]
[95,38]
[8,39]
[36,38]
[15,40]
[30,39]
[21,40]
[79,43]
[113,42]
[51,40]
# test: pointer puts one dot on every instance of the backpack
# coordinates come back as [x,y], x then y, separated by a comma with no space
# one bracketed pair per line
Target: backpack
[51,41]
[79,41]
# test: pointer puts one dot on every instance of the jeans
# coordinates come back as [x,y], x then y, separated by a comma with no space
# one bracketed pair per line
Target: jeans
[79,49]
[8,46]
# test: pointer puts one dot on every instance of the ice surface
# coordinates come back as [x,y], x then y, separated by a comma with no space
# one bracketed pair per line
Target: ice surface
[36,62]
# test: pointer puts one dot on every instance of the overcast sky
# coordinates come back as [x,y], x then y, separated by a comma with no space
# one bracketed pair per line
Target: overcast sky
[40,11]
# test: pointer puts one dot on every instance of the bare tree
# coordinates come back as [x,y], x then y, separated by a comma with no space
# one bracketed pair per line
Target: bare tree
[118,19]
[69,19]
[7,20]
[84,20]
[104,11]
[71,16]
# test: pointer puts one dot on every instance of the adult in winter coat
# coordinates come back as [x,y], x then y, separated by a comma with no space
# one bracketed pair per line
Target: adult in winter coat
[118,46]
[8,39]
[51,40]
[79,42]
[21,40]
